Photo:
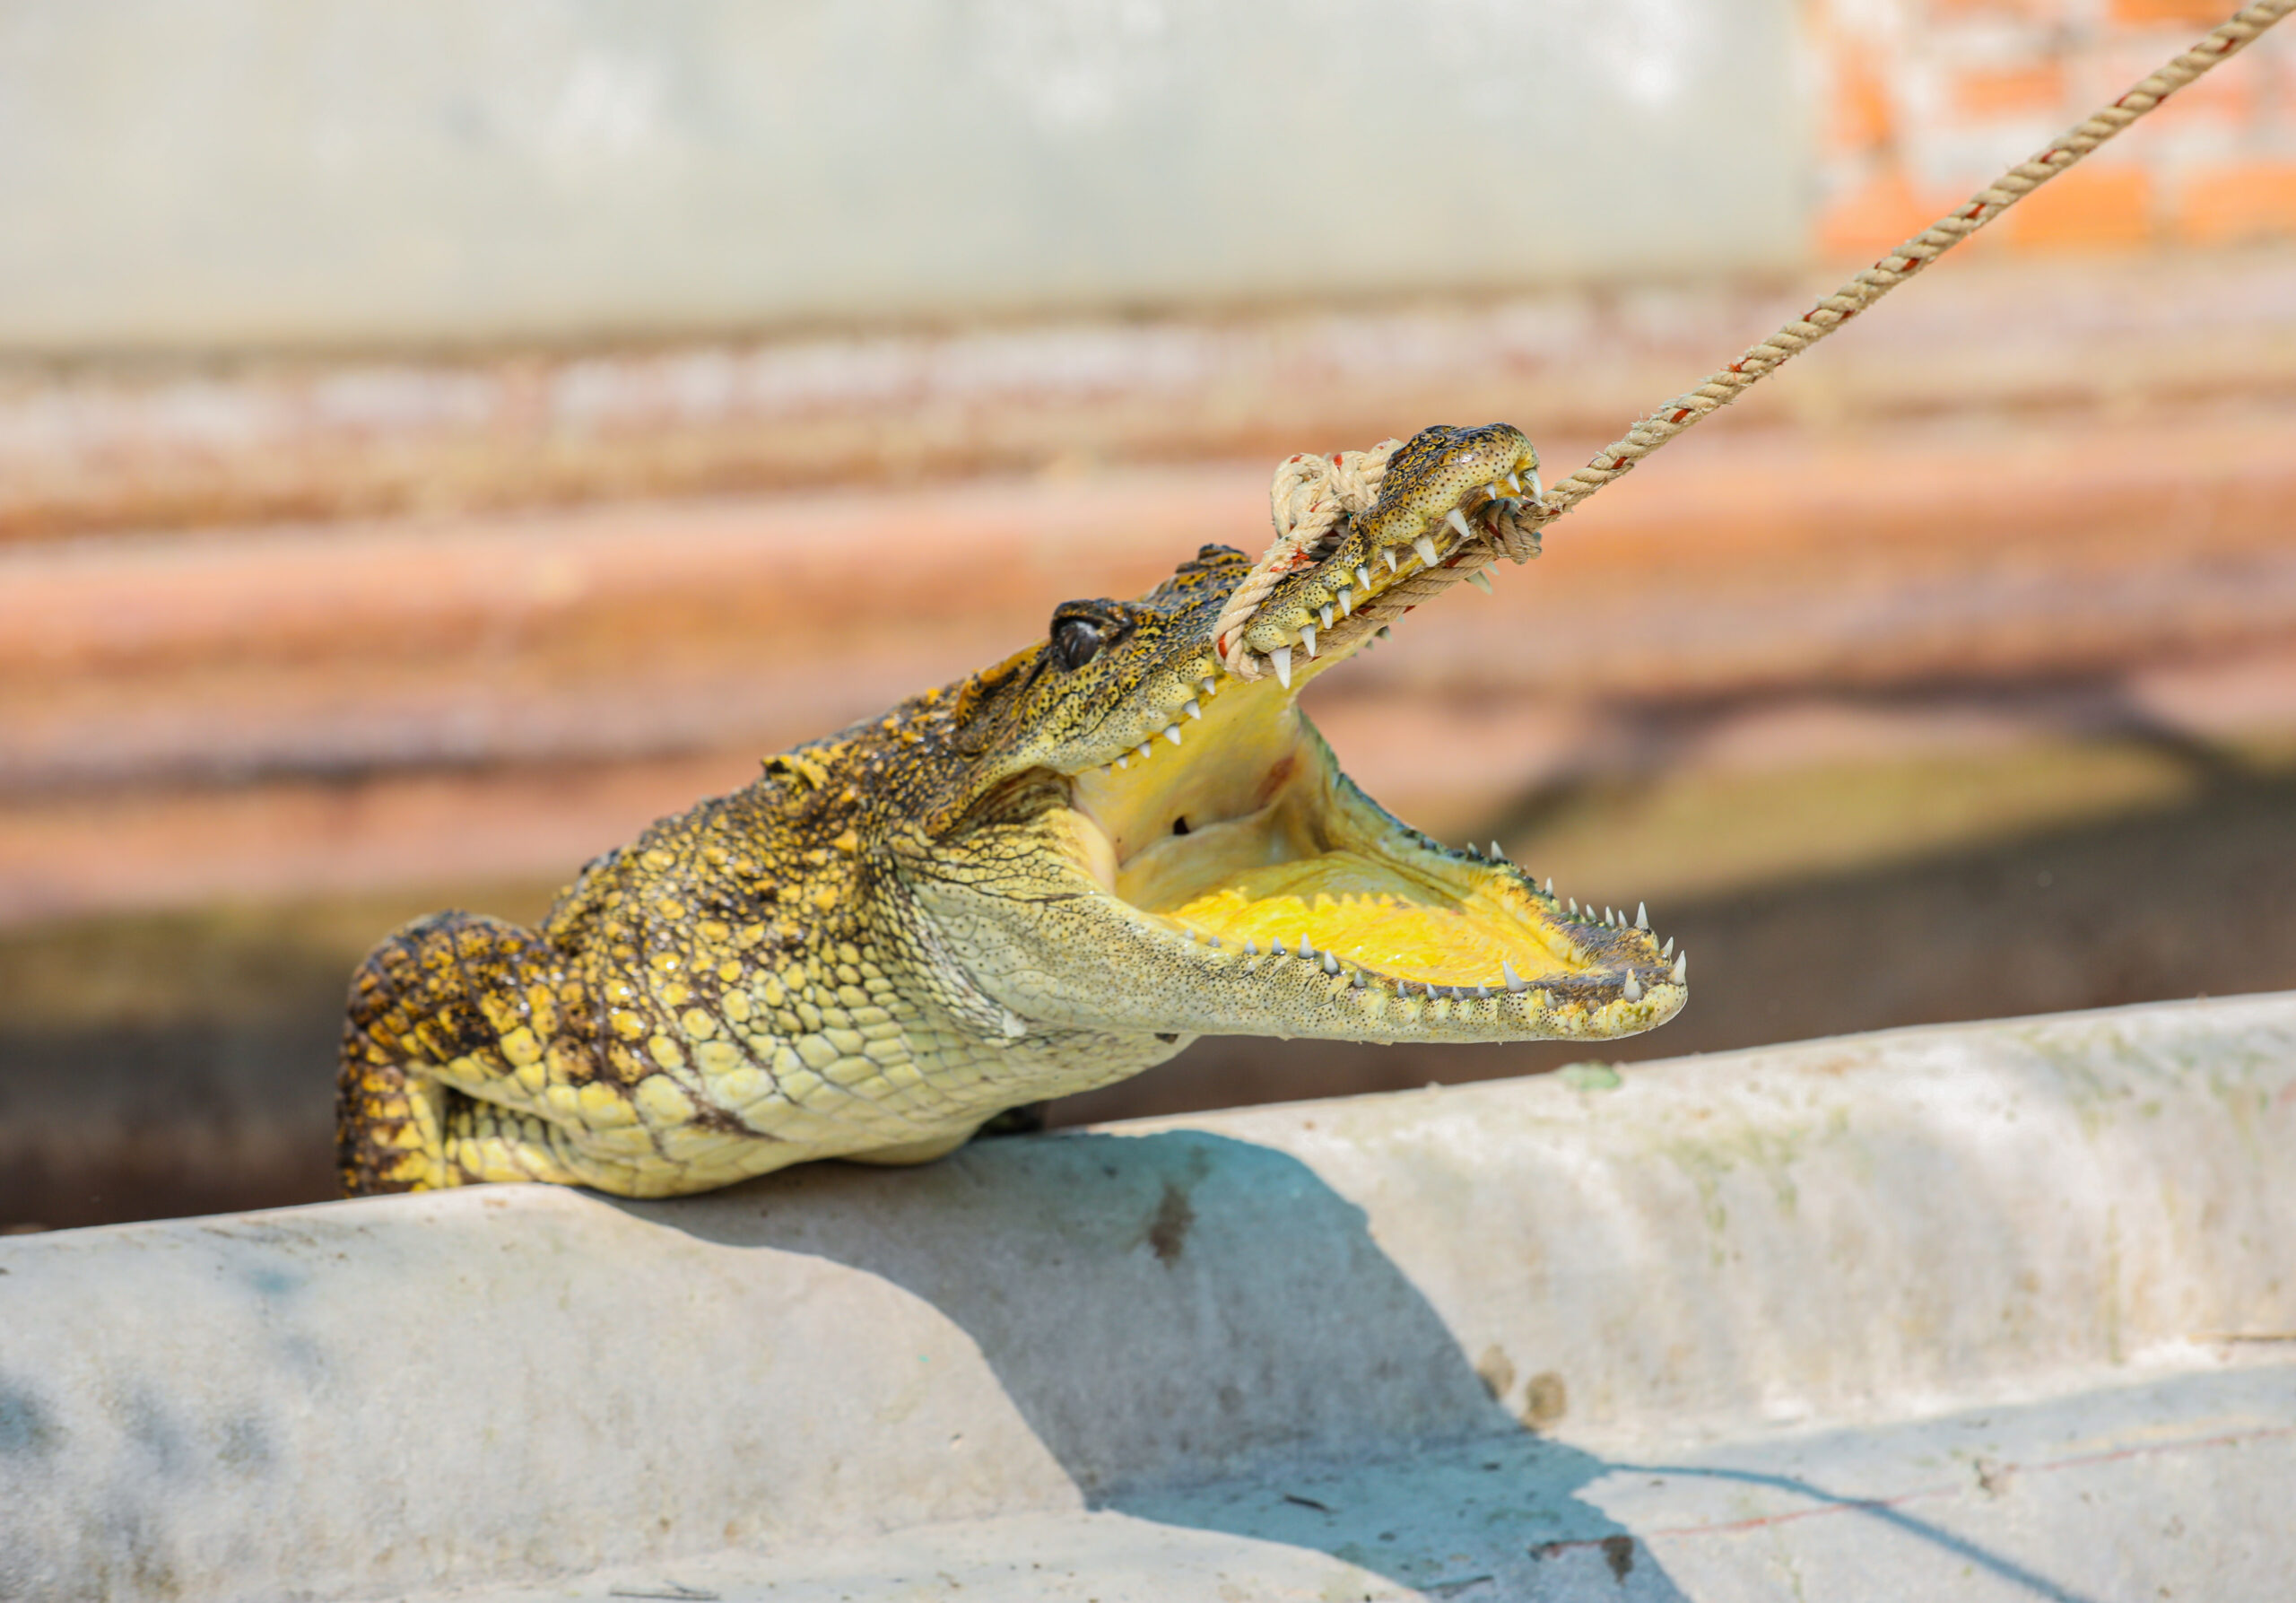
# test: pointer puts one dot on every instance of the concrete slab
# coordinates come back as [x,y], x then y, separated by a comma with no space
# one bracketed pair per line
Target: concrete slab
[1993,1309]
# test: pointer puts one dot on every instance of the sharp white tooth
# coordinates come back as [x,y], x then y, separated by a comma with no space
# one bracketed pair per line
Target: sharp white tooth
[1681,968]
[1356,979]
[1392,564]
[1481,581]
[1574,907]
[1276,947]
[1194,709]
[1346,605]
[1473,850]
[1538,490]
[1383,630]
[1492,490]
[1308,638]
[1515,982]
[1304,948]
[1123,762]
[1325,613]
[1172,732]
[1210,685]
[1550,885]
[1642,917]
[1212,939]
[1425,547]
[1514,482]
[1364,576]
[1497,856]
[1282,657]
[1632,989]
[1146,750]
[1331,963]
[1108,768]
[1668,949]
[1457,520]
[1369,642]
[1251,949]
[1609,917]
[1191,935]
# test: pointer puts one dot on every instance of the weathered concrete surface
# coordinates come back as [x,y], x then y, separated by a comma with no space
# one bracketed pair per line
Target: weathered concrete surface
[1887,1316]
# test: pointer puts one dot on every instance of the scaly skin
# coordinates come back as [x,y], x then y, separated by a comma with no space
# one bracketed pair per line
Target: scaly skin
[998,893]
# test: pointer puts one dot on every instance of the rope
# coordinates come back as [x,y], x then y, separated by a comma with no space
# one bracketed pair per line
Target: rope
[1310,487]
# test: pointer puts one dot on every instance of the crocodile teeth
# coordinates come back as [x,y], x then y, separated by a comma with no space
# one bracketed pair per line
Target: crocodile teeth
[1392,564]
[1303,948]
[1212,940]
[1331,963]
[1383,631]
[1681,968]
[1632,989]
[1146,750]
[1473,850]
[1326,614]
[1492,490]
[1574,907]
[1362,576]
[1276,947]
[1609,917]
[1515,484]
[1497,856]
[1480,581]
[1282,657]
[1370,641]
[1251,948]
[1191,935]
[1668,949]
[1308,638]
[1210,685]
[1550,885]
[1483,992]
[1459,521]
[1425,547]
[1194,709]
[1642,917]
[1515,982]
[1356,979]
[1123,762]
[1172,732]
[1346,606]
[1538,490]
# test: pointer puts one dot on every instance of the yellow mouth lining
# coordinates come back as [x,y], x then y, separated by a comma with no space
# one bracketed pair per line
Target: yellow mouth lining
[1250,837]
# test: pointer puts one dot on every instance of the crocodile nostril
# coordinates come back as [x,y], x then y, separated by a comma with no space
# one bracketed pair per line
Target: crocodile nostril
[1179,826]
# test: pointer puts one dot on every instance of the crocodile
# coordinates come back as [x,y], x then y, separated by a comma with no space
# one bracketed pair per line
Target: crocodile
[1038,880]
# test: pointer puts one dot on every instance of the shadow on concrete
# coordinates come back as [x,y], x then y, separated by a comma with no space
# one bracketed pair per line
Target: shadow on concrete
[1203,1333]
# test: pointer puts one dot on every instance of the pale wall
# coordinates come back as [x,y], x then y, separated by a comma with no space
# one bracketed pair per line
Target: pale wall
[204,173]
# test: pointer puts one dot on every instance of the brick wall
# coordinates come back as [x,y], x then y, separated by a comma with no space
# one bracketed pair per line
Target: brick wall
[1923,100]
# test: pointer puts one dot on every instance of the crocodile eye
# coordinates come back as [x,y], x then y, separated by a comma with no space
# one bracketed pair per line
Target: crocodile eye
[1076,641]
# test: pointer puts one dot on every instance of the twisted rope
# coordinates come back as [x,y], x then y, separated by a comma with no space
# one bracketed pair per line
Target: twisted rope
[1307,486]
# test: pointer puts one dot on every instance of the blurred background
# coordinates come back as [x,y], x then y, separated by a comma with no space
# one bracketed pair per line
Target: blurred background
[436,439]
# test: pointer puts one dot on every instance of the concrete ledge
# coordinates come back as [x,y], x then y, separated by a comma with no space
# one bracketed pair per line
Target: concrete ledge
[1533,1338]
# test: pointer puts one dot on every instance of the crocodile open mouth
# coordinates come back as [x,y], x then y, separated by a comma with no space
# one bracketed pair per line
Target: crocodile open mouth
[1234,829]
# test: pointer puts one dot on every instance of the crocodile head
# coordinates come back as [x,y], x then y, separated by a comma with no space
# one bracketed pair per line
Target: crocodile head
[1122,835]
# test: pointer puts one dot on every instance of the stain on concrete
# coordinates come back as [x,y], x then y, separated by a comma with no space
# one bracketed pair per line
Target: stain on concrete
[1496,1371]
[27,1428]
[1167,1230]
[1618,1551]
[1545,1400]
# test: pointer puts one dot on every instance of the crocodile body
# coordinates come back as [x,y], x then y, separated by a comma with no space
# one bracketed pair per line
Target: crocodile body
[1044,877]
